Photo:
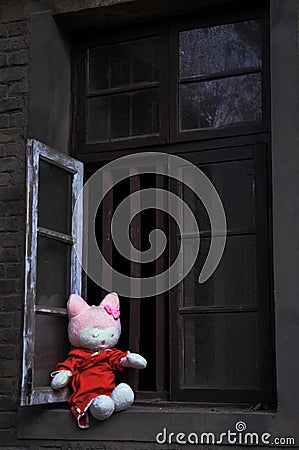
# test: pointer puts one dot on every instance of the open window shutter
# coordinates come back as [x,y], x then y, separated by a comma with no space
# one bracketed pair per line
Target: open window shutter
[52,271]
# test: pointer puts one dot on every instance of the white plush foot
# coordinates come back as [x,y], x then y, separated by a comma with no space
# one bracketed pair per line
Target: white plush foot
[123,396]
[102,407]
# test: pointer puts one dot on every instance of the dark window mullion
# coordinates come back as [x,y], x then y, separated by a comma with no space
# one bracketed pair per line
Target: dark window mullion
[131,99]
[160,299]
[135,272]
[265,301]
[174,113]
[122,89]
[217,309]
[220,75]
[164,87]
[51,234]
[109,119]
[107,212]
[207,234]
[87,70]
[131,116]
[40,309]
[266,100]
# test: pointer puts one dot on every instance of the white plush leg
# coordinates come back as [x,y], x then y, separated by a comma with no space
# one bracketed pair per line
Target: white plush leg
[123,396]
[102,407]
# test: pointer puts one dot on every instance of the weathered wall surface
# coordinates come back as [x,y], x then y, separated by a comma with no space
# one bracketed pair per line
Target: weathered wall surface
[14,60]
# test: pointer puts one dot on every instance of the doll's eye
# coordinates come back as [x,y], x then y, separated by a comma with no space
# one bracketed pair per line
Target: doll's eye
[112,335]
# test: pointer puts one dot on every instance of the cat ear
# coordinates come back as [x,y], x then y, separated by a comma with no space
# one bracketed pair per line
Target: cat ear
[76,305]
[111,300]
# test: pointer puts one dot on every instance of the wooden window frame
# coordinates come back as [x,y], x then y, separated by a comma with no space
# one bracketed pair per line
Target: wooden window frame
[257,149]
[35,151]
[79,119]
[190,143]
[169,83]
[229,130]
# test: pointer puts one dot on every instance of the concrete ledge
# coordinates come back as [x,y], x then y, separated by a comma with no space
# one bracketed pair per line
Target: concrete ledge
[142,424]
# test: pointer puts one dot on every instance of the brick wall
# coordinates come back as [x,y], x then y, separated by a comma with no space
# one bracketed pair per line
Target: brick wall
[14,57]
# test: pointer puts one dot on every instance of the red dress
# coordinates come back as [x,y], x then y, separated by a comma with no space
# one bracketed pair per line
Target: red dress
[93,375]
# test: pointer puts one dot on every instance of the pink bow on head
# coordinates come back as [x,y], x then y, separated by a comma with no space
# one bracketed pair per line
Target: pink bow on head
[115,312]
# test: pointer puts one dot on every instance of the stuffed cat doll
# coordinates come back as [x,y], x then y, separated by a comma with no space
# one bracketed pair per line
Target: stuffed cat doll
[90,365]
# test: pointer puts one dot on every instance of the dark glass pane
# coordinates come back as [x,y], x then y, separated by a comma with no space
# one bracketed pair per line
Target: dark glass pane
[124,63]
[234,280]
[234,182]
[120,64]
[51,346]
[145,60]
[221,48]
[131,114]
[98,119]
[220,351]
[98,68]
[145,113]
[53,272]
[54,198]
[120,116]
[221,102]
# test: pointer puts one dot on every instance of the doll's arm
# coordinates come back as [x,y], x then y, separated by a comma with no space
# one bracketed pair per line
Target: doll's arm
[133,360]
[63,374]
[60,379]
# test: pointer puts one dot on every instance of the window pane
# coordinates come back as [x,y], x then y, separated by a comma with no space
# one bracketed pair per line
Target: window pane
[234,280]
[220,102]
[51,346]
[234,182]
[220,351]
[221,48]
[120,116]
[53,272]
[145,113]
[98,119]
[129,114]
[124,63]
[54,198]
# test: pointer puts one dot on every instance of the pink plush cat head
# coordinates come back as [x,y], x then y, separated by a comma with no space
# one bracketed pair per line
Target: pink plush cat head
[94,327]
